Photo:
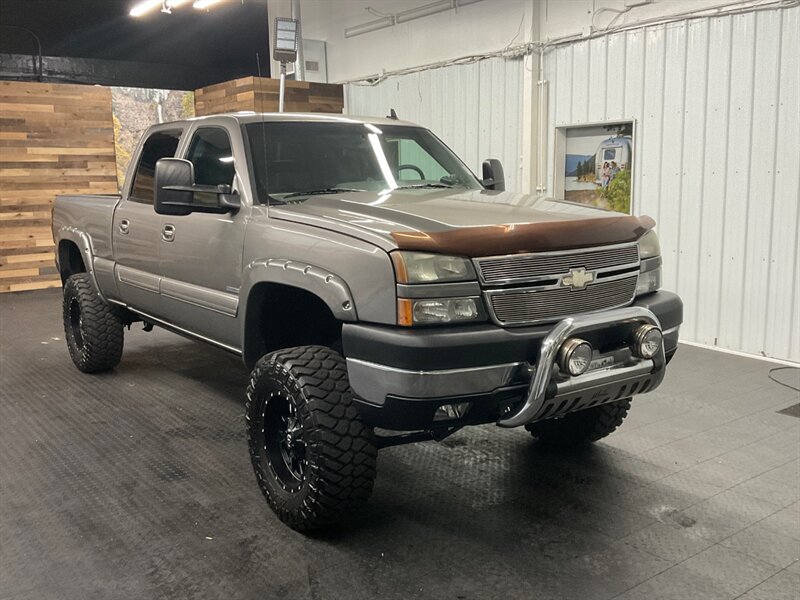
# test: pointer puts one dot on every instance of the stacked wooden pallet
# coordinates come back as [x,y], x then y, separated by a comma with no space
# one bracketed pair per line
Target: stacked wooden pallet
[54,139]
[260,94]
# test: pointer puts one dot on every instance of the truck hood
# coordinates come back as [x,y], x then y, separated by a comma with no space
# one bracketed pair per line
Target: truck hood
[469,223]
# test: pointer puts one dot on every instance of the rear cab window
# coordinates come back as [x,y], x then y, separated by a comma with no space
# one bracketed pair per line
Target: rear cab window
[160,144]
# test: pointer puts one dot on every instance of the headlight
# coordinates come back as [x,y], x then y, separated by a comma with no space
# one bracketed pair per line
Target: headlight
[650,269]
[419,267]
[649,245]
[439,310]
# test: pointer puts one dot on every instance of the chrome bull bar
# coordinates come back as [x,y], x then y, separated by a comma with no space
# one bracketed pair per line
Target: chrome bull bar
[543,369]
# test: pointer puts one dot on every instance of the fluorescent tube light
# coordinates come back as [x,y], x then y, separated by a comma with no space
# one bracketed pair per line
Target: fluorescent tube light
[144,7]
[201,4]
[417,12]
[368,27]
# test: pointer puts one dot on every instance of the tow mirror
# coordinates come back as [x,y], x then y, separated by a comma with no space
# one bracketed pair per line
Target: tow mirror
[493,176]
[174,181]
[175,189]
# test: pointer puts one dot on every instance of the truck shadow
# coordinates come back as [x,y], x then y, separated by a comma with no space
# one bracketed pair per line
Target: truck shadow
[193,363]
[488,471]
[499,507]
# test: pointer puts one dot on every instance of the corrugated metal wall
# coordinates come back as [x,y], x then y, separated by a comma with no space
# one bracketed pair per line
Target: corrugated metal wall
[475,109]
[717,161]
[717,158]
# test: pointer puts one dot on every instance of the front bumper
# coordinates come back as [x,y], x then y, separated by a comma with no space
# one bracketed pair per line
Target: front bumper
[401,376]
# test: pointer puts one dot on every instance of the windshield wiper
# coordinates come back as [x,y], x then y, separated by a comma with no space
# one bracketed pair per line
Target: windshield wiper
[332,190]
[420,186]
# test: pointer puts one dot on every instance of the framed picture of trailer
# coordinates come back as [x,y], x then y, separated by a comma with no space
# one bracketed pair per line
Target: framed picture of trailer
[594,164]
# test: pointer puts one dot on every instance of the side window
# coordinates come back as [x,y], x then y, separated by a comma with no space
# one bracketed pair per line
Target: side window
[161,144]
[211,154]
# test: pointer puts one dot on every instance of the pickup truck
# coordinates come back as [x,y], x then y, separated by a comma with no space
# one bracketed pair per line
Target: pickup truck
[378,291]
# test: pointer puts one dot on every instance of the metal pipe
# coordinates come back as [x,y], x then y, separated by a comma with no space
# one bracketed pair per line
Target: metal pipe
[418,12]
[541,176]
[552,342]
[299,65]
[283,87]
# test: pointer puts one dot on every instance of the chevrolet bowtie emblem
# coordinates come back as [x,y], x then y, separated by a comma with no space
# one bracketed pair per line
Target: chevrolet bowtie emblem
[577,278]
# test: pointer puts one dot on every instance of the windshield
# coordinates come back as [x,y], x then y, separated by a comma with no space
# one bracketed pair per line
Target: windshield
[294,160]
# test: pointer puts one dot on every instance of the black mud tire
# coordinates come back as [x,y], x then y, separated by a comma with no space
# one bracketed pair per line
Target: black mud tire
[333,462]
[582,427]
[92,327]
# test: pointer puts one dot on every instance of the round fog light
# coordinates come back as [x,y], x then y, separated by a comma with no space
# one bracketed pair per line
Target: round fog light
[647,341]
[574,356]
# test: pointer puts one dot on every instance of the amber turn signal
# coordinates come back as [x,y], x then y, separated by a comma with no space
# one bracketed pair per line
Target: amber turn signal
[405,312]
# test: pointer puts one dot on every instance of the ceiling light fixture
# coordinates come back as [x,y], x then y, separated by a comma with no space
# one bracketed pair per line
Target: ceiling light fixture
[144,7]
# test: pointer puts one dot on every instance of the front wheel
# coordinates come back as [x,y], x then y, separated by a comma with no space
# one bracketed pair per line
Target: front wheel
[581,427]
[313,457]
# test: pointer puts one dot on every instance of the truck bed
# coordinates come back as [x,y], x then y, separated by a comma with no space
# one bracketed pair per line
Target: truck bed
[86,214]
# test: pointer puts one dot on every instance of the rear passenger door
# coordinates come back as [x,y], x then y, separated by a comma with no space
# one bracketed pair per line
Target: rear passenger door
[136,230]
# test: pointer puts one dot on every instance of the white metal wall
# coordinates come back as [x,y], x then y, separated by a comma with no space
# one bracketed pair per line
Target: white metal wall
[475,109]
[717,161]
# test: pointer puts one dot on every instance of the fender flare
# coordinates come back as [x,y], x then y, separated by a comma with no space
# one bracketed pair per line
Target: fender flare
[329,287]
[84,244]
[326,285]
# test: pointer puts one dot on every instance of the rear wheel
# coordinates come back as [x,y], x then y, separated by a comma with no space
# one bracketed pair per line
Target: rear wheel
[313,457]
[92,327]
[581,427]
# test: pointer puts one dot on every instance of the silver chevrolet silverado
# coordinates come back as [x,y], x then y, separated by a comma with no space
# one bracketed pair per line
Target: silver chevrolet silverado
[379,292]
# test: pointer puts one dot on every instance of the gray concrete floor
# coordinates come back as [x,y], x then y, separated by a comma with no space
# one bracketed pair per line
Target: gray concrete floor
[137,484]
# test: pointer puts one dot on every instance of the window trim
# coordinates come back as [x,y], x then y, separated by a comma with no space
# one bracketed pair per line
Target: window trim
[188,146]
[166,128]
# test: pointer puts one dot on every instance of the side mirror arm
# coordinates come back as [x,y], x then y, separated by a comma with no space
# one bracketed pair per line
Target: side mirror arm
[217,210]
[229,202]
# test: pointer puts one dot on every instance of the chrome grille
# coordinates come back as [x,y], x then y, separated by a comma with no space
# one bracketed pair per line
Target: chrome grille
[531,305]
[524,267]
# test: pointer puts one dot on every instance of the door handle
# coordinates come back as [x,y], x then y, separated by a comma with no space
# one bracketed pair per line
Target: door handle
[168,233]
[124,226]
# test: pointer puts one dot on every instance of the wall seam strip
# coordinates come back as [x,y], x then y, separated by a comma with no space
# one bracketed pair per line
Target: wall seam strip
[749,178]
[724,186]
[702,185]
[774,169]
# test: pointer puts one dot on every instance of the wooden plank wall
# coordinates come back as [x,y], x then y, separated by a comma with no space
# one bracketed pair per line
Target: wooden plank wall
[260,94]
[59,139]
[54,139]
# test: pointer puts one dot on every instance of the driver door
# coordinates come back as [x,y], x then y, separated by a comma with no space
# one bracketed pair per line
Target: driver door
[201,253]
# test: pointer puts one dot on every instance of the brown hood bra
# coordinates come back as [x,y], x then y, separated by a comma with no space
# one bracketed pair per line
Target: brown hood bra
[494,240]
